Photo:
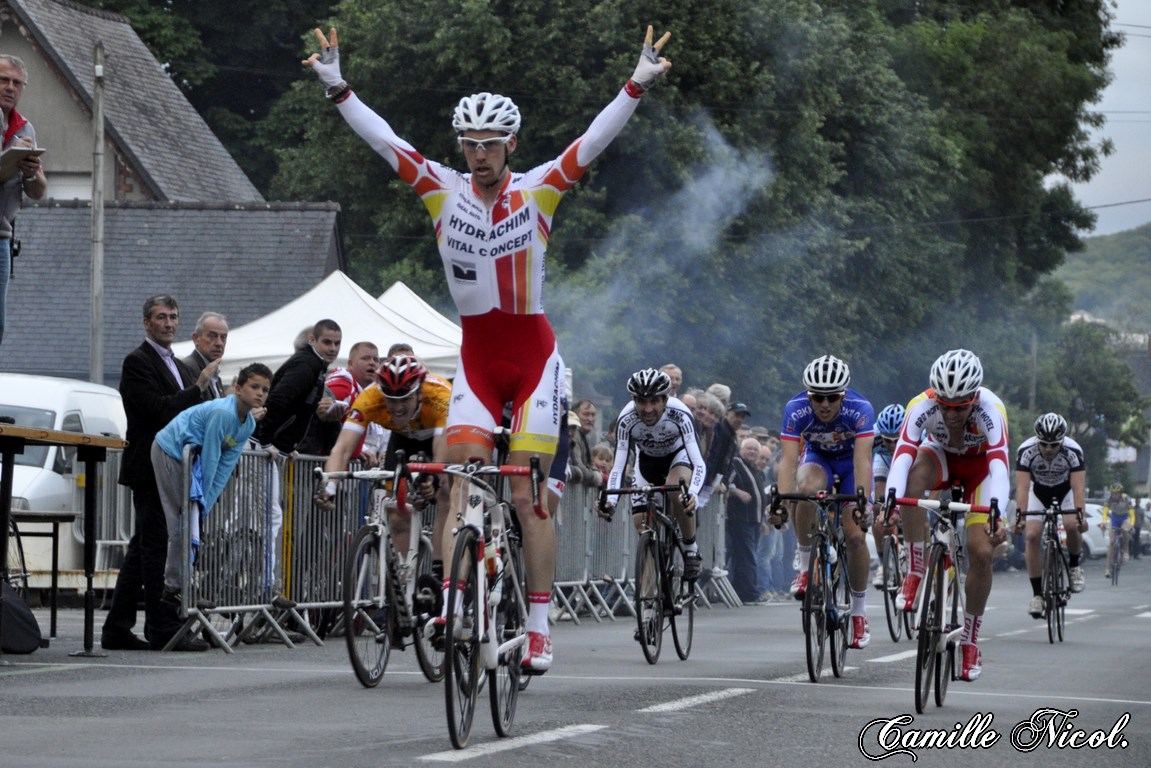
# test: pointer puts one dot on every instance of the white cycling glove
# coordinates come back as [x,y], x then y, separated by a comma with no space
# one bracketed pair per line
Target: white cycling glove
[649,68]
[328,67]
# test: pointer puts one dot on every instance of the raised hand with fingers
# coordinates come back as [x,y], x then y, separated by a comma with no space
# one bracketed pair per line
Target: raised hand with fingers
[651,64]
[326,63]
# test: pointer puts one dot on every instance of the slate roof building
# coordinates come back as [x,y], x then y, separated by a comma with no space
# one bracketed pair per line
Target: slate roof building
[180,216]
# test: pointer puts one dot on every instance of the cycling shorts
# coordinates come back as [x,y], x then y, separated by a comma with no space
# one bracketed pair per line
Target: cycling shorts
[969,471]
[843,468]
[1035,505]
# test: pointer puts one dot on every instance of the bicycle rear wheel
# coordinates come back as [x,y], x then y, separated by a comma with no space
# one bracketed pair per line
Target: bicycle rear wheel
[930,628]
[682,605]
[838,610]
[425,606]
[892,583]
[814,611]
[462,636]
[367,609]
[511,618]
[17,575]
[649,597]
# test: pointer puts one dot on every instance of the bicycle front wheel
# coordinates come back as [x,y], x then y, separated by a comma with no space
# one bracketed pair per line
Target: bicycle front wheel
[649,597]
[17,575]
[814,612]
[838,610]
[1059,585]
[892,583]
[511,619]
[367,612]
[682,605]
[930,628]
[1116,559]
[465,621]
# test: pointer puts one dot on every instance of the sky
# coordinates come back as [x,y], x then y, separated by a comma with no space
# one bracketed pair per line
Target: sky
[1125,176]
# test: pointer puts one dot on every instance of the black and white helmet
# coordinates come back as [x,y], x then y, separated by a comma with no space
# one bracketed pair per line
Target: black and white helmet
[956,376]
[826,375]
[649,383]
[486,112]
[1050,428]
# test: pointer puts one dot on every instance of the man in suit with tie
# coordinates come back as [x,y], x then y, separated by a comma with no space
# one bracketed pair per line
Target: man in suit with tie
[154,386]
[209,337]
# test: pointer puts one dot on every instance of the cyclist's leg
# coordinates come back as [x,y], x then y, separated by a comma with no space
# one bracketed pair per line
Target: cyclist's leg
[692,562]
[813,475]
[1033,556]
[1074,544]
[928,472]
[858,558]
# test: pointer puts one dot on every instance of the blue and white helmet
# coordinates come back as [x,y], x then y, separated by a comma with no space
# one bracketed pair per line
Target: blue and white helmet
[890,420]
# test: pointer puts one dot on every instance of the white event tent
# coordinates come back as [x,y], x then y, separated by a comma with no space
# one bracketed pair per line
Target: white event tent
[398,315]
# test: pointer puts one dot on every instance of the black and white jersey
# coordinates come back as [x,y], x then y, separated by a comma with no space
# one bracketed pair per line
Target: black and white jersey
[1050,480]
[673,434]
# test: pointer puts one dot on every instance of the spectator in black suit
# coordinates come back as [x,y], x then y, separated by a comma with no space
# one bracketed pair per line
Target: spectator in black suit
[210,338]
[154,386]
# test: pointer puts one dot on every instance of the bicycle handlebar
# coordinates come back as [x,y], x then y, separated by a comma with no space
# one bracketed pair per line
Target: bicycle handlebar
[645,489]
[477,467]
[948,505]
[775,506]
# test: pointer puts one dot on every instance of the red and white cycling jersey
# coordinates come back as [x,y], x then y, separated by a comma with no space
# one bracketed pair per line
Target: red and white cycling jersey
[982,456]
[494,262]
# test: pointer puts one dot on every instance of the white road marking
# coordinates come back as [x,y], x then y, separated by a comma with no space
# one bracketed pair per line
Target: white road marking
[1145,615]
[894,657]
[692,701]
[1078,611]
[503,745]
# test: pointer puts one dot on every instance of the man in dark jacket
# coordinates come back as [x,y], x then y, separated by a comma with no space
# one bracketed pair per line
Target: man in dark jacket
[745,505]
[154,386]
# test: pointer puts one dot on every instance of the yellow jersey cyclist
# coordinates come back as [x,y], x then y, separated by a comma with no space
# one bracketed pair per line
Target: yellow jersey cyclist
[412,406]
[954,432]
[1050,469]
[657,432]
[1119,519]
[836,427]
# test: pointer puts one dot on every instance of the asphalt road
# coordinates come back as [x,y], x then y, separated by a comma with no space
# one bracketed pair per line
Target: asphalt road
[742,699]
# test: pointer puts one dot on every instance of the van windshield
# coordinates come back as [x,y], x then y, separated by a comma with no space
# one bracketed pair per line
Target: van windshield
[34,455]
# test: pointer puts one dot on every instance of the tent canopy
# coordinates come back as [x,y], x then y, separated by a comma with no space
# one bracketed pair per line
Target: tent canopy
[398,315]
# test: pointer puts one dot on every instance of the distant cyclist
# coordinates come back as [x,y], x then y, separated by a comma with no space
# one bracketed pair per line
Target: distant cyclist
[954,432]
[888,425]
[1119,518]
[836,427]
[1050,469]
[658,432]
[492,227]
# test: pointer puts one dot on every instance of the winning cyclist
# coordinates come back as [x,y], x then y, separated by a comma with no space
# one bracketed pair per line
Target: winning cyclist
[492,227]
[412,405]
[1119,516]
[954,432]
[1049,469]
[658,429]
[888,424]
[836,425]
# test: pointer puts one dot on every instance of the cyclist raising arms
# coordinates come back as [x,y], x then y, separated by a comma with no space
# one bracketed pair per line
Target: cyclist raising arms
[837,427]
[888,424]
[954,432]
[1049,469]
[492,228]
[660,431]
[412,404]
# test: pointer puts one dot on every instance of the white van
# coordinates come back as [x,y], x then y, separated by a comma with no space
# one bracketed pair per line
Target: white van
[43,474]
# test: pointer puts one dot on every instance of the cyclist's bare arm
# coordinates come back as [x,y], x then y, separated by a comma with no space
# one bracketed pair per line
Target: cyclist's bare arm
[338,460]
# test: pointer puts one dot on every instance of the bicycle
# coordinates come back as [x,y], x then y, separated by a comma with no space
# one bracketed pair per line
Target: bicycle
[16,573]
[486,622]
[388,598]
[1056,575]
[827,599]
[893,566]
[664,599]
[941,592]
[1116,546]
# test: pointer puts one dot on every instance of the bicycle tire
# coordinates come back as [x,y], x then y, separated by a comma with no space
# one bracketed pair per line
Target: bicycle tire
[511,618]
[648,597]
[930,628]
[944,672]
[17,573]
[1047,590]
[948,599]
[682,605]
[814,612]
[367,611]
[838,610]
[462,638]
[1116,559]
[430,658]
[892,583]
[1061,590]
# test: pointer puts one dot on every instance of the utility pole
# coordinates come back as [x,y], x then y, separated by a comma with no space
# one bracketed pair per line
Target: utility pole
[96,342]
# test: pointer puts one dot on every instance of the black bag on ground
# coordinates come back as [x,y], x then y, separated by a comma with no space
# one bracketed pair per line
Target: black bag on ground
[19,631]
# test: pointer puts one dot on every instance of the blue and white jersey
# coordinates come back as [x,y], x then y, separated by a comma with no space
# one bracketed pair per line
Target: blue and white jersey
[835,440]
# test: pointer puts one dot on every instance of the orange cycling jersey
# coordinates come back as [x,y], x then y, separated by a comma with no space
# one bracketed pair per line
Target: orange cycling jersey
[370,407]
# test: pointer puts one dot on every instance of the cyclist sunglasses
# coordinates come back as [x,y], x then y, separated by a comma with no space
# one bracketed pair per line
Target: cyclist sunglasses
[487,145]
[819,398]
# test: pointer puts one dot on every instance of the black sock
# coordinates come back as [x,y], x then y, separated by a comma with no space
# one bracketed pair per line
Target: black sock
[1073,561]
[1037,585]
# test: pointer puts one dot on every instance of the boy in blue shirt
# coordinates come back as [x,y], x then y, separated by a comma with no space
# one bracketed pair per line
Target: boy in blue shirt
[220,429]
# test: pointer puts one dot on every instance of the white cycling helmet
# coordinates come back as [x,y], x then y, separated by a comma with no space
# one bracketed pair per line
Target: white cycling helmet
[486,112]
[957,375]
[826,375]
[1051,428]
